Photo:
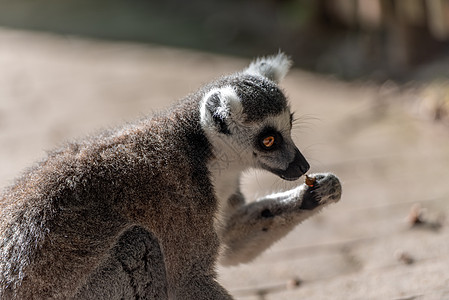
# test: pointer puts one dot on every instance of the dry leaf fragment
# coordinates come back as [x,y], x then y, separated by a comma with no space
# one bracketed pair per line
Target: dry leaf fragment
[310,181]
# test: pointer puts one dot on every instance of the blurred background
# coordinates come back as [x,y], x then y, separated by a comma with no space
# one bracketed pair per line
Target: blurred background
[369,84]
[349,38]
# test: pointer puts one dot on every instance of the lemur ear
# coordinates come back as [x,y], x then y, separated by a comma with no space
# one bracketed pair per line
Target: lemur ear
[273,67]
[220,108]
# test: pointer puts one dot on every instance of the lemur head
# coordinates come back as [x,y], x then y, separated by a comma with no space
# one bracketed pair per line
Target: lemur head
[248,120]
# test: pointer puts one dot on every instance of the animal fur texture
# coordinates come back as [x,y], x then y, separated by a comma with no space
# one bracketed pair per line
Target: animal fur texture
[146,211]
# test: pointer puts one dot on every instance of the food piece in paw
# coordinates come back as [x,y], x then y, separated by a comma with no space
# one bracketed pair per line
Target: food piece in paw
[310,181]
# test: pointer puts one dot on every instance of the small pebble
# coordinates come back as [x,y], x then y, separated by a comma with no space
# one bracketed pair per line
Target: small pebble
[293,283]
[415,215]
[404,257]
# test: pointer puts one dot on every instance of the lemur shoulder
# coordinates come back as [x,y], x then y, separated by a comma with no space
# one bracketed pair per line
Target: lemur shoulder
[147,210]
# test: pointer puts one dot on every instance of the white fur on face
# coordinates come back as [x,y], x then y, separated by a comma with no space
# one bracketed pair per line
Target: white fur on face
[281,123]
[236,150]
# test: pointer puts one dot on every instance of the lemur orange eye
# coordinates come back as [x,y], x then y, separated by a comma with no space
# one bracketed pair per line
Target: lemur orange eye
[268,141]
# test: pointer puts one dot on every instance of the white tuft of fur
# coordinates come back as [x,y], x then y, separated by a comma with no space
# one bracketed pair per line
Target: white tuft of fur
[230,106]
[272,67]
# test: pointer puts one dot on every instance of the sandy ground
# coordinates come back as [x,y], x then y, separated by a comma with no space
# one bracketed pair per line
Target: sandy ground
[54,88]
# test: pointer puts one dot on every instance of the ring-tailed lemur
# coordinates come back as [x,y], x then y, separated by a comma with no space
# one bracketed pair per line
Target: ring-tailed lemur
[145,211]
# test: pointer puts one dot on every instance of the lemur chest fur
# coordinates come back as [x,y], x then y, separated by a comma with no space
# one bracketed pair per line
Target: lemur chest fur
[226,183]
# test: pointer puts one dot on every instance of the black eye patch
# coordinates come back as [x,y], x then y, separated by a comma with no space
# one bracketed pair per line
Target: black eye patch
[269,139]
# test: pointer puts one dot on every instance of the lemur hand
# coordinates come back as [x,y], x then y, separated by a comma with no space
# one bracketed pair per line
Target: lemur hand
[325,190]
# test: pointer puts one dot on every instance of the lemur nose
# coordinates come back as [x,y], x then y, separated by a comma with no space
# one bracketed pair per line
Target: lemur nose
[301,161]
[298,167]
[304,166]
